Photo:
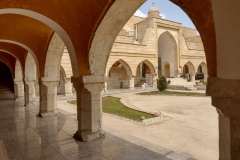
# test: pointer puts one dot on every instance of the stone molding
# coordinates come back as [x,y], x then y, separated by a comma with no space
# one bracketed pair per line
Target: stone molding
[48,83]
[225,95]
[228,106]
[217,87]
[89,79]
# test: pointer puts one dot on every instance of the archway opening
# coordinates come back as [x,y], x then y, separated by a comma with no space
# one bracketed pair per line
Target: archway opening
[6,82]
[143,76]
[169,46]
[61,84]
[119,76]
[167,55]
[185,70]
[188,72]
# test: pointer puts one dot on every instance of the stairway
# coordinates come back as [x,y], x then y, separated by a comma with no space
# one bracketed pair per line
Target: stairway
[141,83]
[6,90]
[181,84]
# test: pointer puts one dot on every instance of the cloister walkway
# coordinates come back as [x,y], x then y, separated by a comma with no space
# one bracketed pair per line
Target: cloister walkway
[28,137]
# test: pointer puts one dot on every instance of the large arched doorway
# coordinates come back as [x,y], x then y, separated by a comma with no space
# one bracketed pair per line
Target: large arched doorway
[167,55]
[119,75]
[6,82]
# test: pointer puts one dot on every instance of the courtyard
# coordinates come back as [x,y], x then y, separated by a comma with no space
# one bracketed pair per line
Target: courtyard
[189,125]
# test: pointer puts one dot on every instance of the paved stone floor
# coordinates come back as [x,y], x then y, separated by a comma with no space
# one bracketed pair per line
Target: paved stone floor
[189,124]
[26,136]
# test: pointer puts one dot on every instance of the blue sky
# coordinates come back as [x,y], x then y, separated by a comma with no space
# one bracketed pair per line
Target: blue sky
[168,10]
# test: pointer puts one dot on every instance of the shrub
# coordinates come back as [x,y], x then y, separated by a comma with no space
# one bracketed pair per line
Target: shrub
[162,83]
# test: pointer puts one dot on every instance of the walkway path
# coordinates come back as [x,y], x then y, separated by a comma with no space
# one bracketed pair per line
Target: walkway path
[189,124]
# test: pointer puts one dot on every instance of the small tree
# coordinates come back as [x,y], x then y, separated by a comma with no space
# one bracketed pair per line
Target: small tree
[162,83]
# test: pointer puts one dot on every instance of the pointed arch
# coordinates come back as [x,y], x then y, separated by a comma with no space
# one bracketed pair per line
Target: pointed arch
[151,67]
[119,75]
[18,71]
[167,52]
[191,68]
[204,67]
[53,59]
[125,65]
[30,68]
[54,26]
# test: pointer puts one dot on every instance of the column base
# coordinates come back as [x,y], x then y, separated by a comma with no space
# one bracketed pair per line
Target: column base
[47,114]
[20,100]
[86,137]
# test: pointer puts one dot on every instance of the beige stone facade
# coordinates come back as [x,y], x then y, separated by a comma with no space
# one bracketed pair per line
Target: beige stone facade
[164,46]
[147,48]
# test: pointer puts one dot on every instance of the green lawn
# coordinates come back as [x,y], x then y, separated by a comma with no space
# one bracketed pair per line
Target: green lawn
[173,93]
[113,105]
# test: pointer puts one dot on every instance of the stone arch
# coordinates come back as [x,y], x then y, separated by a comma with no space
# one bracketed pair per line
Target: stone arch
[118,75]
[9,67]
[18,71]
[188,71]
[202,71]
[125,65]
[145,74]
[18,67]
[29,52]
[54,26]
[191,68]
[167,52]
[114,20]
[30,68]
[53,59]
[204,67]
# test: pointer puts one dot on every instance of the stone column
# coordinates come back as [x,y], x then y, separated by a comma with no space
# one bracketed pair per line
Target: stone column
[226,98]
[192,77]
[131,82]
[89,107]
[29,91]
[105,87]
[154,81]
[19,90]
[48,98]
[68,87]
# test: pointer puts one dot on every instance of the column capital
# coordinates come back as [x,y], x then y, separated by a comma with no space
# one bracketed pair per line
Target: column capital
[225,95]
[91,83]
[47,82]
[89,79]
[217,87]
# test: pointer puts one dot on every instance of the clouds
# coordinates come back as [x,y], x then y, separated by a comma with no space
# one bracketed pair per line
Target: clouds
[143,15]
[140,14]
[163,16]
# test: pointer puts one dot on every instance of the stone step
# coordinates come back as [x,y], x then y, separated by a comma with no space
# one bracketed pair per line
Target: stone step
[141,83]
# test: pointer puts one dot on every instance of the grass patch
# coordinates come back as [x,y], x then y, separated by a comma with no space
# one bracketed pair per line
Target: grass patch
[173,93]
[112,105]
